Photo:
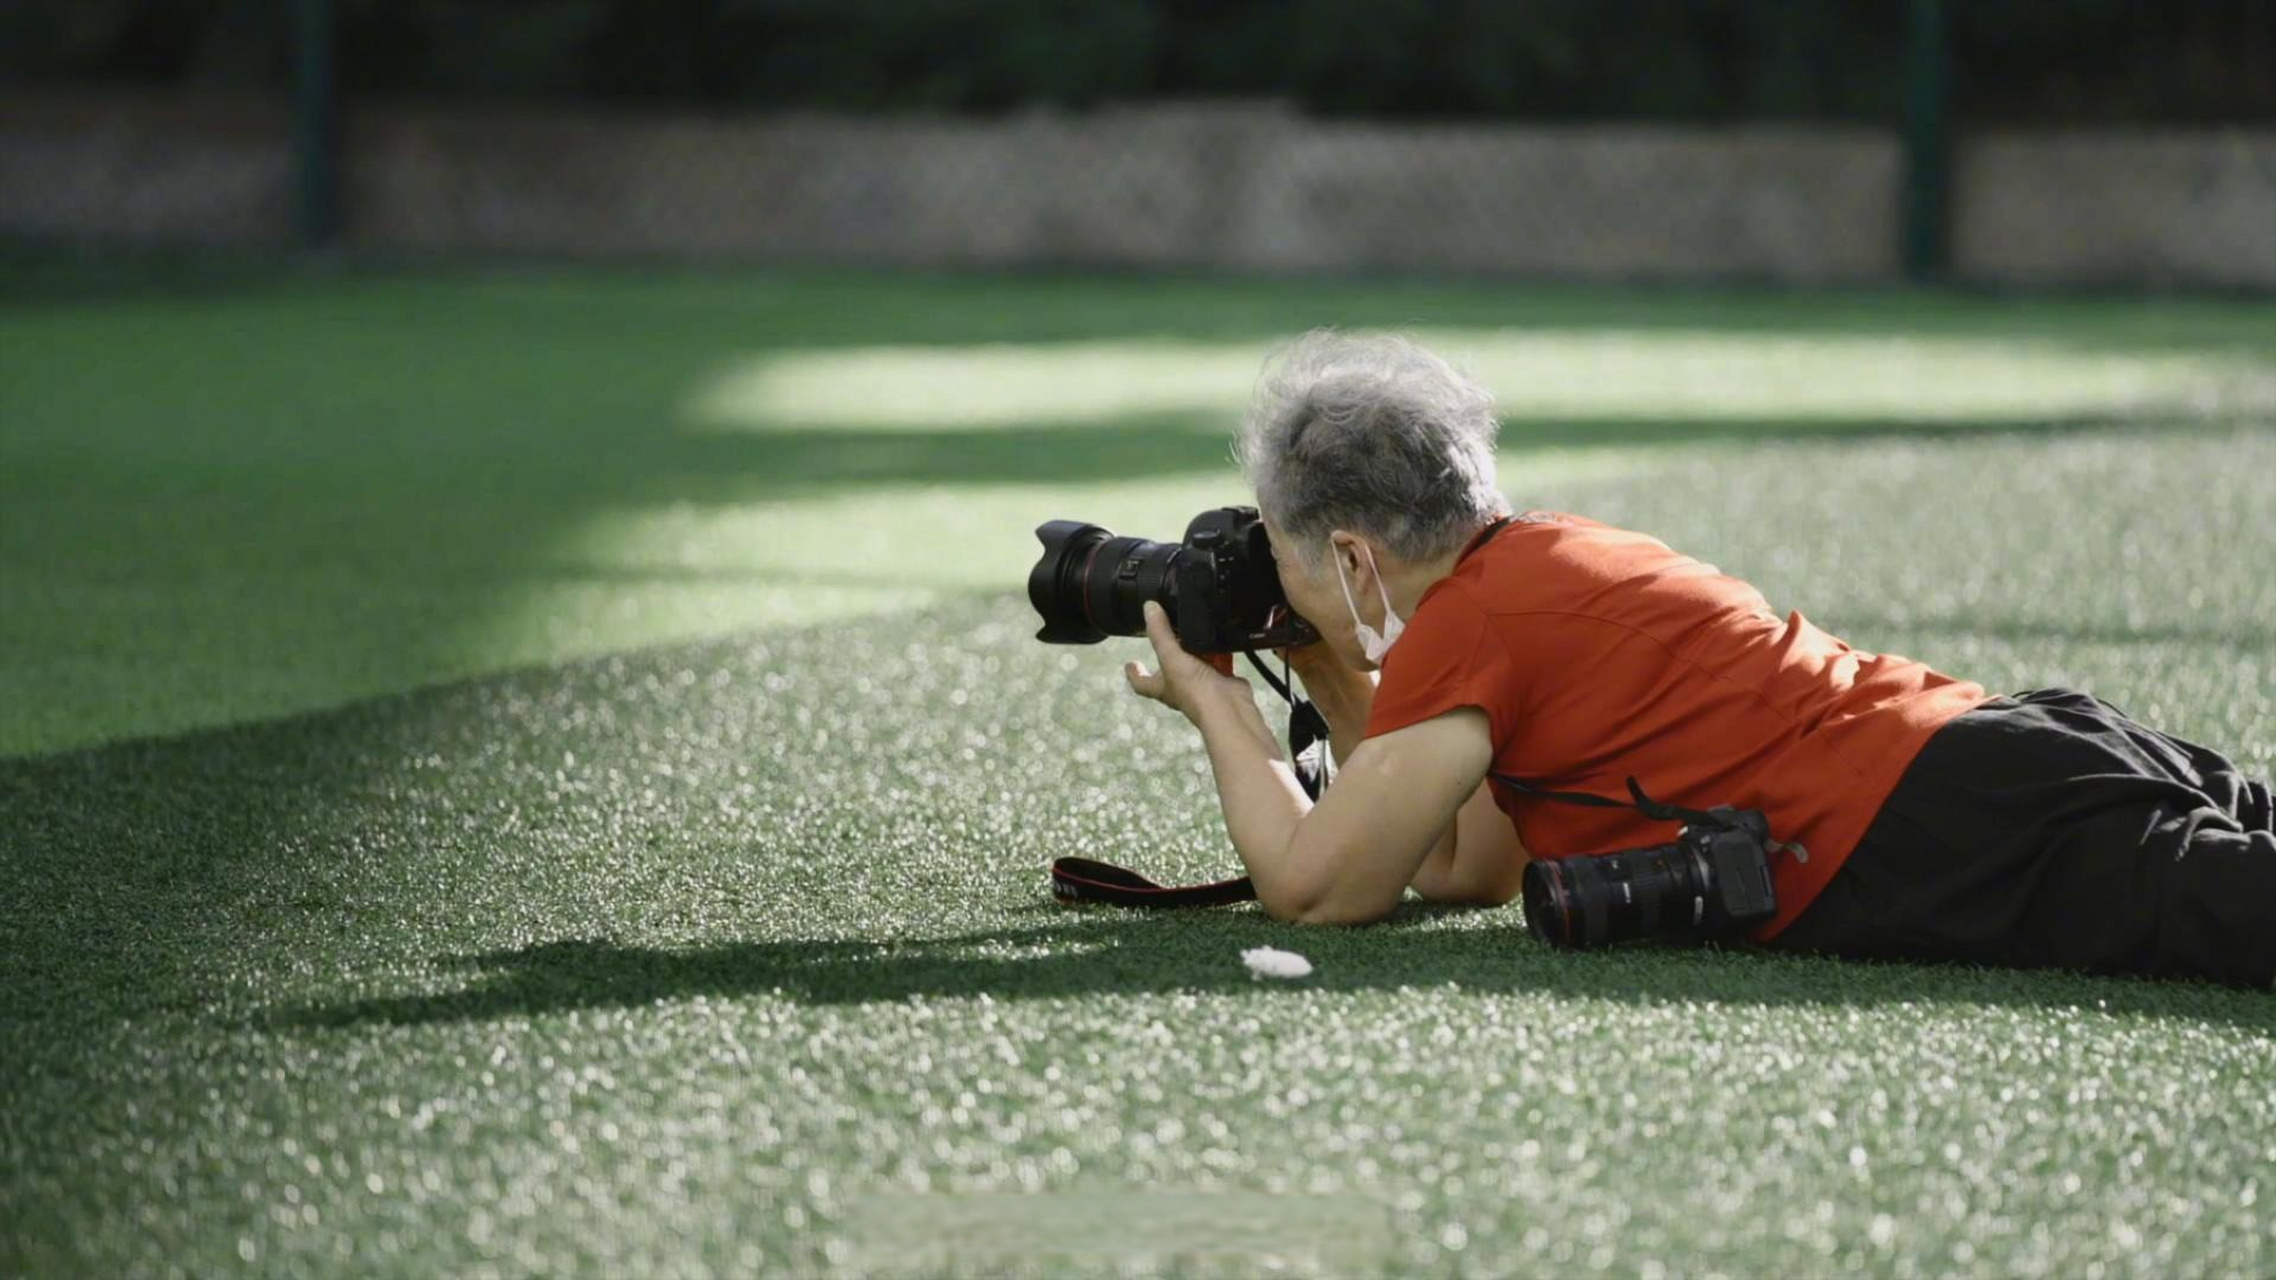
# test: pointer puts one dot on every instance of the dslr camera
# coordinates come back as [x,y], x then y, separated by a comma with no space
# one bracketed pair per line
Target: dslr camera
[1712,882]
[1218,586]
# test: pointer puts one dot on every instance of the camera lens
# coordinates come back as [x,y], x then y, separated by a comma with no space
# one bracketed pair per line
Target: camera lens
[1089,584]
[1616,897]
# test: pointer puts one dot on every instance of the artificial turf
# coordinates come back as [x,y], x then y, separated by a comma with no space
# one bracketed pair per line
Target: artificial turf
[522,771]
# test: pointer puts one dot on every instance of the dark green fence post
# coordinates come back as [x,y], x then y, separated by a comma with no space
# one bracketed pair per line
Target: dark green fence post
[1928,144]
[315,125]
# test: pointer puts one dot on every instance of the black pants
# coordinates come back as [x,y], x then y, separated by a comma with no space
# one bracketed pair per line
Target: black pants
[2048,830]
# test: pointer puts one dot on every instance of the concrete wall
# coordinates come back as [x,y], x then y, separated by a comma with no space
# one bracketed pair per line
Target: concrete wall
[142,169]
[1239,189]
[1228,187]
[2118,208]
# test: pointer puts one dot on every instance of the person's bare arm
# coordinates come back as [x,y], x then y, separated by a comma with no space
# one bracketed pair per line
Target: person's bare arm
[1349,858]
[1479,858]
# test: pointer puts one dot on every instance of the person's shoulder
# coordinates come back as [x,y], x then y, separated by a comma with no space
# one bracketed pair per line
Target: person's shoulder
[1566,520]
[1549,538]
[1523,549]
[1526,532]
[1451,613]
[1540,517]
[1454,600]
[1440,637]
[1555,564]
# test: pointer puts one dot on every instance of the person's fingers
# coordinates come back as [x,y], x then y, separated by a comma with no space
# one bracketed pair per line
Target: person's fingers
[1164,640]
[1144,683]
[1158,621]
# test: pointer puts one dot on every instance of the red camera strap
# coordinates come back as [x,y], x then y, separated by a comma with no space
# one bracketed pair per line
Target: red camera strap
[1075,881]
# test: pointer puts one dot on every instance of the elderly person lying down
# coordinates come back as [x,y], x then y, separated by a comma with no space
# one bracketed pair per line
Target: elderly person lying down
[1471,657]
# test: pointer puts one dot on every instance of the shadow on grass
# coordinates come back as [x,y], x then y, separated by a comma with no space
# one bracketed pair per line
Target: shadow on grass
[34,276]
[1102,952]
[830,306]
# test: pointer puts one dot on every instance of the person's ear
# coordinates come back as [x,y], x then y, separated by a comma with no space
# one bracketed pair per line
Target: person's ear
[1345,547]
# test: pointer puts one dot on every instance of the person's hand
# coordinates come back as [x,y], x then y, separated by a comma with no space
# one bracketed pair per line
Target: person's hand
[1184,682]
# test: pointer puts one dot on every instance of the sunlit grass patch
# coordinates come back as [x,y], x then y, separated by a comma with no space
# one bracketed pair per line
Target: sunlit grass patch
[1535,373]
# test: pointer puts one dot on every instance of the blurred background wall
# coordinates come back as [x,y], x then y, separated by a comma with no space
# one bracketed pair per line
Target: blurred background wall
[2044,142]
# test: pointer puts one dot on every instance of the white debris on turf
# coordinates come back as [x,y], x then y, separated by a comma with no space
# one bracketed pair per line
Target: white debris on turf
[1271,962]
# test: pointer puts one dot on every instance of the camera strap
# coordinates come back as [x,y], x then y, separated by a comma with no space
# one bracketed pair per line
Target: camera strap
[1720,816]
[1644,804]
[1075,881]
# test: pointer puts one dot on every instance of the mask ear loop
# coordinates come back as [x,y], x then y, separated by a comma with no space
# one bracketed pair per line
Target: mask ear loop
[1372,642]
[1393,624]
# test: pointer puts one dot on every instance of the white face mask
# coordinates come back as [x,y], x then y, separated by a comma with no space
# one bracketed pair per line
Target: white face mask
[1371,644]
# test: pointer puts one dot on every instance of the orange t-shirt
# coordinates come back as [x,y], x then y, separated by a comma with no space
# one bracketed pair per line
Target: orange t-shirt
[1598,654]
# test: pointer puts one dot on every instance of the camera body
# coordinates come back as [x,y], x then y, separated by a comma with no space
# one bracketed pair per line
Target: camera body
[1713,881]
[1218,585]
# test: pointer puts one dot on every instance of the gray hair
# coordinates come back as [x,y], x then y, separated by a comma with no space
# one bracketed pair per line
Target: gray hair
[1373,434]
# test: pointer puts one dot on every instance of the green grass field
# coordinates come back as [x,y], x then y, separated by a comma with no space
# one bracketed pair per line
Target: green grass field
[538,770]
